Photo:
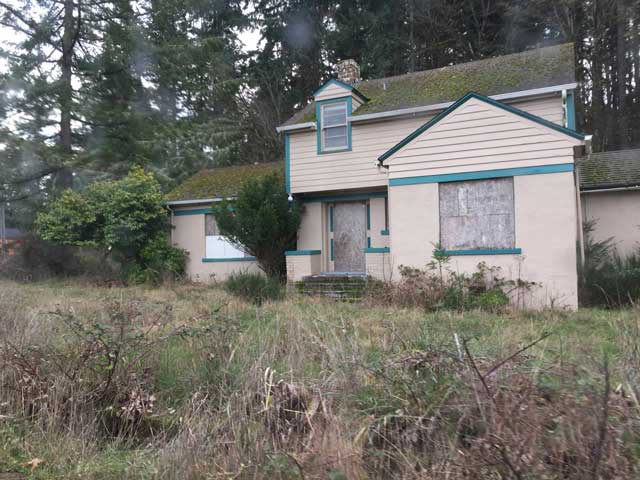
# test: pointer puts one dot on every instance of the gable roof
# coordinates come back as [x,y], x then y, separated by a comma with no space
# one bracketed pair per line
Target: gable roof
[221,182]
[531,69]
[346,86]
[618,169]
[495,103]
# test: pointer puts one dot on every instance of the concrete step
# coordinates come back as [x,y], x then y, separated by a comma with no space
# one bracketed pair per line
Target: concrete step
[347,287]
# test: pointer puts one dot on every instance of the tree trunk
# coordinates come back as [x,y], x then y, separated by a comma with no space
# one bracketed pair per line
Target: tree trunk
[64,177]
[621,67]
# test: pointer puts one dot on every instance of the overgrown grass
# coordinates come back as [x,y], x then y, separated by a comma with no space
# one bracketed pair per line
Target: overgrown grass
[207,385]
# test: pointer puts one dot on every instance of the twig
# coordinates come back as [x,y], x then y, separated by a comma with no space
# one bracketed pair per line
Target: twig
[604,420]
[514,355]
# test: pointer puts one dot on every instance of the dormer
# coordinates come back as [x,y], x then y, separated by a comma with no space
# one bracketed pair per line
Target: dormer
[335,101]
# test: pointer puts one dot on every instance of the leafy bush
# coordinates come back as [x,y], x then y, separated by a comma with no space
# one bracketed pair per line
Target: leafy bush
[262,221]
[254,287]
[125,218]
[606,278]
[437,287]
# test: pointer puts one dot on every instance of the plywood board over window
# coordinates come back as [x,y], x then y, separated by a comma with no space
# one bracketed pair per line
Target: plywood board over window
[477,214]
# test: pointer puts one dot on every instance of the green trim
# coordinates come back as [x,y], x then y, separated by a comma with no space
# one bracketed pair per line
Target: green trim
[195,211]
[506,172]
[488,100]
[340,198]
[335,81]
[571,111]
[287,163]
[483,251]
[384,232]
[368,216]
[293,253]
[233,259]
[331,219]
[368,242]
[319,105]
[331,246]
[377,250]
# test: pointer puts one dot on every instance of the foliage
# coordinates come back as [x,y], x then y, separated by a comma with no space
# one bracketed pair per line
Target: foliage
[262,221]
[159,261]
[124,218]
[254,287]
[608,279]
[142,382]
[438,287]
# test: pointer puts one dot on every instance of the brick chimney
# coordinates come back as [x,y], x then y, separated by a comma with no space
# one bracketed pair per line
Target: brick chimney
[348,71]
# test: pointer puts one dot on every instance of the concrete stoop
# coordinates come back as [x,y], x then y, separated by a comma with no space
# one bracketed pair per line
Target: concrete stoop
[341,286]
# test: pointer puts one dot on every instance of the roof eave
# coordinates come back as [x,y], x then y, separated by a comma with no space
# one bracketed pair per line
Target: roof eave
[435,107]
[419,131]
[196,201]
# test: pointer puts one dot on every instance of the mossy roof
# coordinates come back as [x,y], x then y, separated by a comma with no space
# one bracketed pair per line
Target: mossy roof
[610,170]
[221,182]
[538,68]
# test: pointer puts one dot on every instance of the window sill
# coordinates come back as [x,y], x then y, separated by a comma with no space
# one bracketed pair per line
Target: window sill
[232,259]
[328,152]
[291,253]
[384,232]
[483,251]
[377,250]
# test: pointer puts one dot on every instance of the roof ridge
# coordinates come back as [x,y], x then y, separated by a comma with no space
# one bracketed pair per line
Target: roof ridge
[470,62]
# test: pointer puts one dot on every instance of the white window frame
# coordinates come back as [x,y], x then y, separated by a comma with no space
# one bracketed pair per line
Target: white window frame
[323,128]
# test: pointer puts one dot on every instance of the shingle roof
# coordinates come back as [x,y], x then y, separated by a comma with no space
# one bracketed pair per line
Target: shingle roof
[610,170]
[542,67]
[221,182]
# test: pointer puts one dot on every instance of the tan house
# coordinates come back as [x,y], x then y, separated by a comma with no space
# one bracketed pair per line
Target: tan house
[477,159]
[211,257]
[610,193]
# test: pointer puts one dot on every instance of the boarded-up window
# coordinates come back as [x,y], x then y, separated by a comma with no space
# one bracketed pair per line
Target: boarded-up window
[216,245]
[477,214]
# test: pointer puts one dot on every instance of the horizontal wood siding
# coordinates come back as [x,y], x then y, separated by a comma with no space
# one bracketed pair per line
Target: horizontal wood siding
[460,138]
[478,136]
[332,91]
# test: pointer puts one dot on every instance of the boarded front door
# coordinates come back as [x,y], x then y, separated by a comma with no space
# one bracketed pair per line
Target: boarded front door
[349,236]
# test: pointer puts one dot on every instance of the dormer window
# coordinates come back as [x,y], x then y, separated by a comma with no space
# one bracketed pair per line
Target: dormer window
[333,127]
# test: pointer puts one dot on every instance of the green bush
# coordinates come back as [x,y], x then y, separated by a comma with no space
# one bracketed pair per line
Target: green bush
[255,287]
[606,278]
[158,261]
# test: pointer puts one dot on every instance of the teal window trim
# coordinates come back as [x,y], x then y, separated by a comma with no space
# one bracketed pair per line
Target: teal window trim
[384,232]
[571,111]
[287,162]
[346,198]
[419,131]
[232,259]
[377,250]
[319,104]
[483,251]
[368,216]
[293,253]
[482,175]
[331,247]
[331,219]
[368,242]
[195,211]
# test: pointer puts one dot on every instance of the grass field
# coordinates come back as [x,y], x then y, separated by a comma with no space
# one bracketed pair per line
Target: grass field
[189,382]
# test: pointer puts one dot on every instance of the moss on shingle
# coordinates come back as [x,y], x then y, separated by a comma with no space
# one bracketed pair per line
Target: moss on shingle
[222,182]
[538,68]
[610,169]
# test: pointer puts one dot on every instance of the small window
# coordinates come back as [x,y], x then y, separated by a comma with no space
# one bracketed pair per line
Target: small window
[477,214]
[216,245]
[334,126]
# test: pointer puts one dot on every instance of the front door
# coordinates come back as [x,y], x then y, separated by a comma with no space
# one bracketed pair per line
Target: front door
[349,236]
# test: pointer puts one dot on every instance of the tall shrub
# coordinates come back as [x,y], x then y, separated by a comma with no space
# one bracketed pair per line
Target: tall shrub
[124,218]
[261,221]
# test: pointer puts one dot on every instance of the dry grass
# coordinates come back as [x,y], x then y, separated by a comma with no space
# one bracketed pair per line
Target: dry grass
[207,386]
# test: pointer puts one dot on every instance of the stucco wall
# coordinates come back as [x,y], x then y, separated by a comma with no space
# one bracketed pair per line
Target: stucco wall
[311,172]
[188,233]
[617,214]
[545,223]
